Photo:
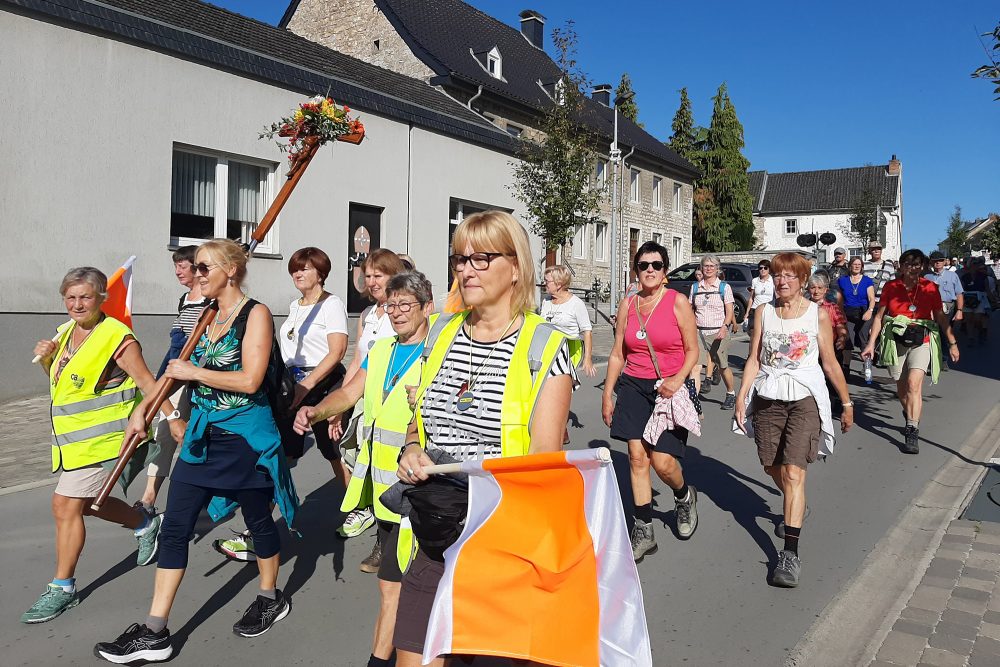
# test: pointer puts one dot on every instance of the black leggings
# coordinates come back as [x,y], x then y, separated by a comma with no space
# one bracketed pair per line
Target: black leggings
[185,503]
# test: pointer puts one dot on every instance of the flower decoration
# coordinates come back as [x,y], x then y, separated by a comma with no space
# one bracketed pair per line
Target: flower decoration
[317,120]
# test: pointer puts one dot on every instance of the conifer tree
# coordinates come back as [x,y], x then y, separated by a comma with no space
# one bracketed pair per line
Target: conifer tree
[629,108]
[726,175]
[684,141]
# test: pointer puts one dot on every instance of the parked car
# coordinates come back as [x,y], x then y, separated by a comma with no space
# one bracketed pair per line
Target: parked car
[736,274]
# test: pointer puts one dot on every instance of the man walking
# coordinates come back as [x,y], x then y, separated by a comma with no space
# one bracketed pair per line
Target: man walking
[952,294]
[879,270]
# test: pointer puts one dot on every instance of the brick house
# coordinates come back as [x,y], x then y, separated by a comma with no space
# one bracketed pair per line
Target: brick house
[505,75]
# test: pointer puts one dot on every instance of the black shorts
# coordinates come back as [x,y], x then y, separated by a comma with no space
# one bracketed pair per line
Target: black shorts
[416,598]
[388,537]
[294,444]
[633,408]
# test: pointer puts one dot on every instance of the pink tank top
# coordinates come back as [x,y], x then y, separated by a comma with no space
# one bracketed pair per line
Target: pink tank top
[663,332]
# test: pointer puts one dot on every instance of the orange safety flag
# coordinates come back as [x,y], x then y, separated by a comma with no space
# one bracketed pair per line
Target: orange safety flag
[543,569]
[453,303]
[118,303]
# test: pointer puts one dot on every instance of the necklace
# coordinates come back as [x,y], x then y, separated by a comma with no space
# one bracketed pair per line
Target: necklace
[298,306]
[394,380]
[465,396]
[641,333]
[798,314]
[855,284]
[216,326]
[912,298]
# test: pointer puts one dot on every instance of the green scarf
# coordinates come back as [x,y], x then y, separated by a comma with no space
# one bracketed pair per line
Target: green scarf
[896,325]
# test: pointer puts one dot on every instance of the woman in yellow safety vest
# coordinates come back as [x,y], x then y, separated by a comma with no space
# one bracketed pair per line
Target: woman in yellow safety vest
[382,378]
[96,373]
[497,381]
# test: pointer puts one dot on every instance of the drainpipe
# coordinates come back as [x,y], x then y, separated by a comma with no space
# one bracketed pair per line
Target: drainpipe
[474,98]
[621,206]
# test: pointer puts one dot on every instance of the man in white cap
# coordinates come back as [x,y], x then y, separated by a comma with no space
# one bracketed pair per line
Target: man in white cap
[879,270]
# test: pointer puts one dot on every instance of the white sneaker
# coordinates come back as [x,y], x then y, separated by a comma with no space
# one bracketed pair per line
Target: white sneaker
[357,522]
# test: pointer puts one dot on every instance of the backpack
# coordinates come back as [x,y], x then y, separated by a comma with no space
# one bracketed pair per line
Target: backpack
[694,290]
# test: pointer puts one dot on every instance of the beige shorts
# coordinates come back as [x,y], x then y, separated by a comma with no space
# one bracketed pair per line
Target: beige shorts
[710,348]
[911,358]
[82,482]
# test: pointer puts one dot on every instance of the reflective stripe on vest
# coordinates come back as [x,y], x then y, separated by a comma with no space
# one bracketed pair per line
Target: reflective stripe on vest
[88,425]
[534,352]
[378,458]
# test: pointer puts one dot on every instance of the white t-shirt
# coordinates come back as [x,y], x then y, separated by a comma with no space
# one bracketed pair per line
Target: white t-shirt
[570,317]
[303,336]
[373,328]
[763,292]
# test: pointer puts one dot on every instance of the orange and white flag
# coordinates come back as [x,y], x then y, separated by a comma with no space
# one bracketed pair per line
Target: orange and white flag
[543,570]
[118,303]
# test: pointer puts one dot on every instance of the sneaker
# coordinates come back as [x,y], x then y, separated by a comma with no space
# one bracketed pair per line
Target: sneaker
[730,402]
[357,522]
[686,512]
[239,547]
[786,574]
[373,562]
[137,643]
[643,541]
[54,601]
[149,540]
[716,376]
[706,387]
[911,437]
[261,615]
[780,530]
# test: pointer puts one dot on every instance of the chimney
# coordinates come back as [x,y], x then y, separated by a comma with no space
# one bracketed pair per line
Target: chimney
[895,167]
[602,94]
[532,27]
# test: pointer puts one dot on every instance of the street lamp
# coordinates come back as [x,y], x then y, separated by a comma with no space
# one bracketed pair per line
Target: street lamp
[616,158]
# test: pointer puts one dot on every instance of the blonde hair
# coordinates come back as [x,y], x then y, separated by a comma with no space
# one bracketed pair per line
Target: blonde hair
[228,255]
[560,274]
[499,231]
[85,275]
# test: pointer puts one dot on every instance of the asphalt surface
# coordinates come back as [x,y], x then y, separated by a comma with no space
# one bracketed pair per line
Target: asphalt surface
[707,600]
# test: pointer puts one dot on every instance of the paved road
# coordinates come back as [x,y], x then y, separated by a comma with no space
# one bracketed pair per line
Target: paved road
[707,600]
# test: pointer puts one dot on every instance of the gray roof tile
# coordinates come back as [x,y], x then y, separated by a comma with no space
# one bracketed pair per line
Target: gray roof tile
[824,190]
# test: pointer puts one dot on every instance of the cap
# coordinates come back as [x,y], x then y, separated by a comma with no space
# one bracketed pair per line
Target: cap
[839,251]
[936,255]
[875,244]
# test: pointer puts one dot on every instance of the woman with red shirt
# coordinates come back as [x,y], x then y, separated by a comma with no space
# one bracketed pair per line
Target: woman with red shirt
[908,329]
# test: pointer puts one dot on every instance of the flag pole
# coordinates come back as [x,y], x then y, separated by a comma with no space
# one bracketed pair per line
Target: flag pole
[165,385]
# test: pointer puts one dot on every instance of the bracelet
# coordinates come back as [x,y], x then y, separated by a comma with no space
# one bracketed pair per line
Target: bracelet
[848,404]
[952,343]
[403,450]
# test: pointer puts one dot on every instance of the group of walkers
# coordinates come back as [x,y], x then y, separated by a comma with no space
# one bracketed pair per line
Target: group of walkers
[487,378]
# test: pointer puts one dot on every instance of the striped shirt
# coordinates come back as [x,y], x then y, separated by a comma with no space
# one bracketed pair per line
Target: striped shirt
[188,313]
[474,433]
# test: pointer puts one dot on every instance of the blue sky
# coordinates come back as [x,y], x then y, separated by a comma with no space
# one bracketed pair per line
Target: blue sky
[816,85]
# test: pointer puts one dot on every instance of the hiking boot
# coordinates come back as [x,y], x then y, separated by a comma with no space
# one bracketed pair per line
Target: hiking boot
[137,643]
[373,562]
[357,522]
[786,573]
[716,376]
[911,437]
[706,387]
[54,601]
[780,530]
[643,541]
[149,540]
[239,547]
[730,402]
[261,615]
[686,512]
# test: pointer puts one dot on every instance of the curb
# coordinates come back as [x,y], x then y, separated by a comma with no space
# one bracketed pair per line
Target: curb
[843,633]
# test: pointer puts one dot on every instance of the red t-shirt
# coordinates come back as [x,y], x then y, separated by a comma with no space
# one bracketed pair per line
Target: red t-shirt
[897,299]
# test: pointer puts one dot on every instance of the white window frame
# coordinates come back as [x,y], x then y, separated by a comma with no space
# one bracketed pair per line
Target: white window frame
[494,63]
[677,248]
[855,252]
[677,198]
[600,242]
[657,238]
[579,242]
[270,243]
[795,226]
[635,191]
[601,173]
[657,189]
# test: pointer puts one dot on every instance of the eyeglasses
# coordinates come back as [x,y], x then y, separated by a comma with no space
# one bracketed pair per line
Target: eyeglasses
[203,268]
[402,306]
[785,277]
[480,260]
[657,266]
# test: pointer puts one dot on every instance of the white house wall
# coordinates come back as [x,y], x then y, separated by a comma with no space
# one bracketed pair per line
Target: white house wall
[89,129]
[775,238]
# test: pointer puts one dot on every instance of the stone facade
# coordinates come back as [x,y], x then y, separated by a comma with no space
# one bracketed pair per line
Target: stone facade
[359,29]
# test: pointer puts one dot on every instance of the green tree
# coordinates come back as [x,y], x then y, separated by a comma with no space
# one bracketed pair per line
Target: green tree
[956,239]
[991,71]
[725,175]
[990,239]
[684,140]
[866,223]
[624,91]
[552,178]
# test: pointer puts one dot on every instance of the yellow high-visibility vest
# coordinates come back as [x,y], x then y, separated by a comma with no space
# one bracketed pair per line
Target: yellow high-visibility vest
[88,425]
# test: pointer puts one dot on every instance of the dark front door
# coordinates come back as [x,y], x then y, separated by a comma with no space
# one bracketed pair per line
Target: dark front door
[364,234]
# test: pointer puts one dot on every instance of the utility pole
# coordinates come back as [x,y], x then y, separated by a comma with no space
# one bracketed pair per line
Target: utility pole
[616,204]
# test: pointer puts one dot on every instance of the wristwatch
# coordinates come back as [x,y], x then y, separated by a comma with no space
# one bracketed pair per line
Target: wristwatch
[176,414]
[952,343]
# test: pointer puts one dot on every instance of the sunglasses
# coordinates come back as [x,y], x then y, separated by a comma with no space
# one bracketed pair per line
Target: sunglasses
[657,266]
[203,268]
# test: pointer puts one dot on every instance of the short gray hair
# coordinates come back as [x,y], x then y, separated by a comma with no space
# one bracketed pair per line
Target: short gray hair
[411,282]
[709,259]
[85,274]
[821,278]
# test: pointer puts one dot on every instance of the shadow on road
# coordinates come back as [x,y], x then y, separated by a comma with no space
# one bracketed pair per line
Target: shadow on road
[124,566]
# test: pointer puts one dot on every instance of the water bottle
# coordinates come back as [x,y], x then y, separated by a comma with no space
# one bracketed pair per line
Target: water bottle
[868,371]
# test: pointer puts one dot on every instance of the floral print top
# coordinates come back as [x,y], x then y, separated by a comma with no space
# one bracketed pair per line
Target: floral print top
[790,344]
[225,354]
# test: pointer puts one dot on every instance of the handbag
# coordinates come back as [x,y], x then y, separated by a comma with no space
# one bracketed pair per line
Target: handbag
[912,336]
